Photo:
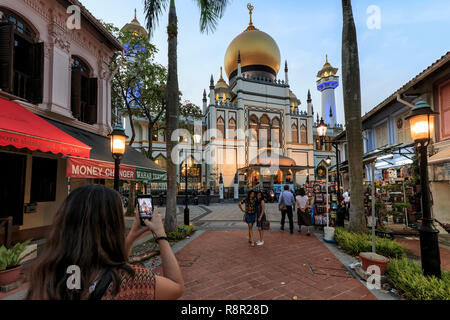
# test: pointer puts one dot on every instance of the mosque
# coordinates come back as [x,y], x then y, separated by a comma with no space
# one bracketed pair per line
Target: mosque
[255,133]
[277,144]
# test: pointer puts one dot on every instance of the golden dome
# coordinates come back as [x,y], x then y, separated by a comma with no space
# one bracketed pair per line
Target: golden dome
[221,83]
[256,48]
[327,70]
[135,27]
[292,95]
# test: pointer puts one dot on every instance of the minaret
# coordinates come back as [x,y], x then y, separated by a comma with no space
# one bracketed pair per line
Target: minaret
[212,107]
[212,93]
[239,65]
[310,105]
[286,76]
[205,102]
[327,83]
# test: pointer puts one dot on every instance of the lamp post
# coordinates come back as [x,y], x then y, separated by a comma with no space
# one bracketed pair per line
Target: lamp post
[197,140]
[118,144]
[322,131]
[421,121]
[328,162]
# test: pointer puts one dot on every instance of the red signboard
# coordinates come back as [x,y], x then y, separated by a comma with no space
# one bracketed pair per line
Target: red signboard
[93,169]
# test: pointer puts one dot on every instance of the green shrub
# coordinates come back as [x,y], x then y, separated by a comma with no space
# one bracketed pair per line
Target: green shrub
[407,277]
[182,232]
[10,258]
[354,243]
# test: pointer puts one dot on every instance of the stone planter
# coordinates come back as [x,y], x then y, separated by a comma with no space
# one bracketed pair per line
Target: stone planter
[369,259]
[328,234]
[9,276]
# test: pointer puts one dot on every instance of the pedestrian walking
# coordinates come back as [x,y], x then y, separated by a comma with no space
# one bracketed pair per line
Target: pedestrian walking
[286,205]
[89,233]
[249,214]
[303,215]
[261,216]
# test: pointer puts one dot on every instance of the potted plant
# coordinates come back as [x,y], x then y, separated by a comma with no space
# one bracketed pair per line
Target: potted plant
[10,262]
[371,258]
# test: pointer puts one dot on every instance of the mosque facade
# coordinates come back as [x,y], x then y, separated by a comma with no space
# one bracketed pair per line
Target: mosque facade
[254,132]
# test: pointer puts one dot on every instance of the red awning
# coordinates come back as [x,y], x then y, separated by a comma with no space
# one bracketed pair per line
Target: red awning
[21,128]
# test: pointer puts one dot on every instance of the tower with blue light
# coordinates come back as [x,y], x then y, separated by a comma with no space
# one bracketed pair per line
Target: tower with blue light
[327,83]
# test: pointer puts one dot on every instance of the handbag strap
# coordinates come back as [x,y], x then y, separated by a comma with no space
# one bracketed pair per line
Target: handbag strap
[101,286]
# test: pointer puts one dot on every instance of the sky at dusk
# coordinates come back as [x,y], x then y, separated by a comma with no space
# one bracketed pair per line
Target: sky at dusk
[412,35]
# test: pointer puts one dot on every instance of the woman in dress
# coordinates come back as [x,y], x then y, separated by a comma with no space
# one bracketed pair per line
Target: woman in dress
[88,235]
[249,214]
[261,216]
[304,218]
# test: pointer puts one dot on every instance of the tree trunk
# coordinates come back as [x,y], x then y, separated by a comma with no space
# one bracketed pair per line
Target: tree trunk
[170,221]
[150,140]
[352,106]
[131,199]
[132,195]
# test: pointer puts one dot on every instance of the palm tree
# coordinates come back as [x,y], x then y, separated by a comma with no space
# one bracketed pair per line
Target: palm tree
[210,12]
[352,106]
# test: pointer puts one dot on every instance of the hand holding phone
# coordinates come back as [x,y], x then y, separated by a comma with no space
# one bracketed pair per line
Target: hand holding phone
[145,208]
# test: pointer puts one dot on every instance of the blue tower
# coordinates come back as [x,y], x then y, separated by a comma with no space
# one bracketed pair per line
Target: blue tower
[327,83]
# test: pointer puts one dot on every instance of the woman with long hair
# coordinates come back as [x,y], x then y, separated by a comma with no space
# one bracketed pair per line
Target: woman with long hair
[88,236]
[261,216]
[249,214]
[304,218]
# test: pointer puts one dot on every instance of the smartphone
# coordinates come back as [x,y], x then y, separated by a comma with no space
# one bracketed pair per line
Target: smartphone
[145,208]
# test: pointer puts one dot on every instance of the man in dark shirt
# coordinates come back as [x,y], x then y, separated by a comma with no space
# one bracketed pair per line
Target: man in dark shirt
[288,199]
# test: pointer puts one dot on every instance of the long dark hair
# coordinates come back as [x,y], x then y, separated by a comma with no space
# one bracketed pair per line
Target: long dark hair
[88,231]
[301,192]
[259,201]
[249,194]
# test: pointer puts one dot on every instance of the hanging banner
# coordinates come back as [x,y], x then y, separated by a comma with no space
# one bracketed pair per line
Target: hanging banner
[92,169]
[149,175]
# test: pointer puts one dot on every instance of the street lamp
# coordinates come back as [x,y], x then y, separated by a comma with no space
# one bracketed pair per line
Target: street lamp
[118,143]
[329,232]
[421,120]
[197,140]
[322,131]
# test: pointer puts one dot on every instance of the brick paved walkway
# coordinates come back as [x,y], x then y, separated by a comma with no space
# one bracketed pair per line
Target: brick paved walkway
[220,265]
[413,246]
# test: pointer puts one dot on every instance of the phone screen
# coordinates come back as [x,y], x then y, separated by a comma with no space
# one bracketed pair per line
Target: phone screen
[145,207]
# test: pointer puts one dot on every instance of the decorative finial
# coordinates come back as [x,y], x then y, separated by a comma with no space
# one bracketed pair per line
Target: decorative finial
[285,66]
[204,94]
[239,56]
[250,9]
[221,77]
[135,14]
[326,57]
[309,96]
[318,118]
[211,82]
[331,113]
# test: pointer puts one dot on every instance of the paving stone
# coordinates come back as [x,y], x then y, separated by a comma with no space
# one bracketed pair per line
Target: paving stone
[228,268]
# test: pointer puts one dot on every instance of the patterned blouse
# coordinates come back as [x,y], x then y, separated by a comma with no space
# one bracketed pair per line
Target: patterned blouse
[141,286]
[250,206]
